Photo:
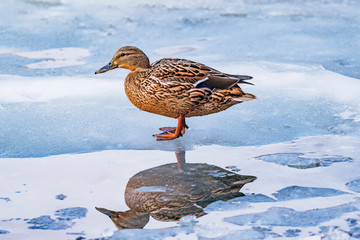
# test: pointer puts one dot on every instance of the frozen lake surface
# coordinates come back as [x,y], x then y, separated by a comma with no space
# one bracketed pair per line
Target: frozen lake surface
[70,141]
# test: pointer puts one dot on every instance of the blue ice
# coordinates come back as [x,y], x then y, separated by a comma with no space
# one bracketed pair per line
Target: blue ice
[288,217]
[149,234]
[4,231]
[247,234]
[64,219]
[5,199]
[225,206]
[300,192]
[253,198]
[47,223]
[354,185]
[60,196]
[295,160]
[238,203]
[309,33]
[292,233]
[71,213]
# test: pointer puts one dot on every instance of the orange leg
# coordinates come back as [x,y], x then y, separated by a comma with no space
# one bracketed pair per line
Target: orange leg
[171,133]
[173,129]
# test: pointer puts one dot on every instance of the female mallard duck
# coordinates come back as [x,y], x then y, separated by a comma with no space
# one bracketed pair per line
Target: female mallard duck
[176,88]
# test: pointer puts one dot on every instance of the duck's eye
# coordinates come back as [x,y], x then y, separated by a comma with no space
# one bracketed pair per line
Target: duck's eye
[109,64]
[123,54]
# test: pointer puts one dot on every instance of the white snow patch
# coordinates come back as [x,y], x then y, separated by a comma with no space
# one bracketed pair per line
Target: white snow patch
[52,58]
[16,89]
[59,57]
[350,115]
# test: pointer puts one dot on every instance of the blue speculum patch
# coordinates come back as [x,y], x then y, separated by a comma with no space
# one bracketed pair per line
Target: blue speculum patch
[203,85]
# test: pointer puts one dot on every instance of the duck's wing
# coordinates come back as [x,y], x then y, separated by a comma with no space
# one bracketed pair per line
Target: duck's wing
[200,75]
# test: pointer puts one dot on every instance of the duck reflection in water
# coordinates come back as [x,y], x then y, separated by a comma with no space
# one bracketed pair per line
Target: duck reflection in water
[171,191]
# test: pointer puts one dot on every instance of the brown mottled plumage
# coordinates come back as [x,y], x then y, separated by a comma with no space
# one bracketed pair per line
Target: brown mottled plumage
[176,88]
[171,191]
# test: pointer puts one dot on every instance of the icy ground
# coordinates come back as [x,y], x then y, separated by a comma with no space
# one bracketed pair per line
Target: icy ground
[54,197]
[70,140]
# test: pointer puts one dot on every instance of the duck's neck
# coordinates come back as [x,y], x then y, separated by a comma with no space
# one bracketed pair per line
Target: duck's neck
[134,77]
[134,87]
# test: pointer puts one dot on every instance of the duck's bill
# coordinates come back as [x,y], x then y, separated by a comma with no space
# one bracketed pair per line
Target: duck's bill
[105,68]
[106,211]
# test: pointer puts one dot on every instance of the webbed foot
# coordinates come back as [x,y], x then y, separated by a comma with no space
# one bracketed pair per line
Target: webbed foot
[170,133]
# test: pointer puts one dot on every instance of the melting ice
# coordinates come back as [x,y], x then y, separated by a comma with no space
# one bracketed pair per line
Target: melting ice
[59,122]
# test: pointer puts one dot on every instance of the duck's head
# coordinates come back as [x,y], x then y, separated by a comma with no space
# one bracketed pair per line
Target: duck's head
[126,220]
[127,57]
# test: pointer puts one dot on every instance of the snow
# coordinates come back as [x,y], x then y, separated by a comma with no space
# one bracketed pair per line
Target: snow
[60,57]
[70,140]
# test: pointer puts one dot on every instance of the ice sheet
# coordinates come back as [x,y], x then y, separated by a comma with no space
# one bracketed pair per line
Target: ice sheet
[71,140]
[307,32]
[57,105]
[324,195]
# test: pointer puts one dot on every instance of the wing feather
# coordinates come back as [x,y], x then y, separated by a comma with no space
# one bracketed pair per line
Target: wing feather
[169,69]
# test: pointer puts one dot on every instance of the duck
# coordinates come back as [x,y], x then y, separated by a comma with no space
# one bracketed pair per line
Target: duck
[176,88]
[171,191]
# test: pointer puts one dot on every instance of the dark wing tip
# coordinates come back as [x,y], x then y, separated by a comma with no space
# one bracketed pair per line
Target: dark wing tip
[242,77]
[242,81]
